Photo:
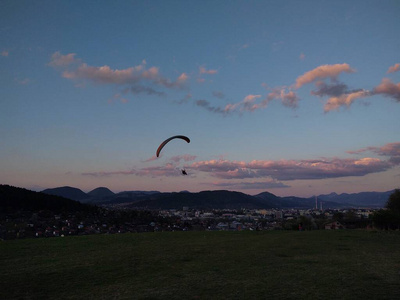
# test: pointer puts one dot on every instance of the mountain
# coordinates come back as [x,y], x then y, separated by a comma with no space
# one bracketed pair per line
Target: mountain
[14,199]
[217,199]
[202,200]
[370,199]
[101,192]
[68,192]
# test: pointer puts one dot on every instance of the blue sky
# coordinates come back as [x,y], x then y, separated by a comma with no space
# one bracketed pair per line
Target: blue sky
[292,97]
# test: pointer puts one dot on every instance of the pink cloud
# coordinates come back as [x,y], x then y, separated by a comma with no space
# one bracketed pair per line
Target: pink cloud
[59,60]
[276,171]
[183,77]
[392,150]
[153,158]
[106,75]
[388,89]
[288,98]
[344,100]
[108,173]
[394,68]
[284,170]
[185,157]
[323,72]
[203,70]
[169,170]
[247,104]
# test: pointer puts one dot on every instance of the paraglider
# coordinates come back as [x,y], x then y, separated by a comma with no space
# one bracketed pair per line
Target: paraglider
[183,172]
[169,139]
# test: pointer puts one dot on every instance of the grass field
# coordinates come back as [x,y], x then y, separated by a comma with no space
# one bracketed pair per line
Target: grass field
[204,265]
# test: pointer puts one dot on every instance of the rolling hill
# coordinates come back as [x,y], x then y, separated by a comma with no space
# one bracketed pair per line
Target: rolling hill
[15,198]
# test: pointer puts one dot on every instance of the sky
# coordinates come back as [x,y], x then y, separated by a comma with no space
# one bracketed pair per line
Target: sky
[298,98]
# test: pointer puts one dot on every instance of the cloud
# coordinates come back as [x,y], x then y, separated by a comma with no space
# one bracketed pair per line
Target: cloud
[323,72]
[140,89]
[23,81]
[302,56]
[388,89]
[117,98]
[74,69]
[289,99]
[273,172]
[105,75]
[285,170]
[4,53]
[394,68]
[218,94]
[247,104]
[108,173]
[153,158]
[59,60]
[185,157]
[335,89]
[207,105]
[183,77]
[250,103]
[391,150]
[345,100]
[184,99]
[169,170]
[203,70]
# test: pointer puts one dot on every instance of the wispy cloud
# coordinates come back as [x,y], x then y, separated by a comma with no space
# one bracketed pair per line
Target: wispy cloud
[218,94]
[252,102]
[345,100]
[185,157]
[141,78]
[4,53]
[323,72]
[394,68]
[140,89]
[391,150]
[208,106]
[247,104]
[59,60]
[203,70]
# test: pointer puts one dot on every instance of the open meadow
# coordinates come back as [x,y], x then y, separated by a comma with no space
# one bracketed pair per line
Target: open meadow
[341,264]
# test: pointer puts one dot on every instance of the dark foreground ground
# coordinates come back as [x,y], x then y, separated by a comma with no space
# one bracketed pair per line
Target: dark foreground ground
[337,264]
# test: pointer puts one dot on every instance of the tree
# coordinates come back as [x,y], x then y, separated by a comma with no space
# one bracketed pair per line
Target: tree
[393,202]
[390,217]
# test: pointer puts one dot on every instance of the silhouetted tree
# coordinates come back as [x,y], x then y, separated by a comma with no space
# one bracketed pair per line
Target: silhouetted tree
[390,217]
[393,202]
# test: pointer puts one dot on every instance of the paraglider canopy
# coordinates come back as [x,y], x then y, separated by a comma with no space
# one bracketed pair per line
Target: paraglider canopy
[169,139]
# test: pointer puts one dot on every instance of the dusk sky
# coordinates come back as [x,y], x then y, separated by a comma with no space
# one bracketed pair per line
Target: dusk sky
[292,97]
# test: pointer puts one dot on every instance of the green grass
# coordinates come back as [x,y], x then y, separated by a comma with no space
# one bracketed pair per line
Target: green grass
[204,265]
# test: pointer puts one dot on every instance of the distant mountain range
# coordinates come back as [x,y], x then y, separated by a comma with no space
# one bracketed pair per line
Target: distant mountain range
[218,199]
